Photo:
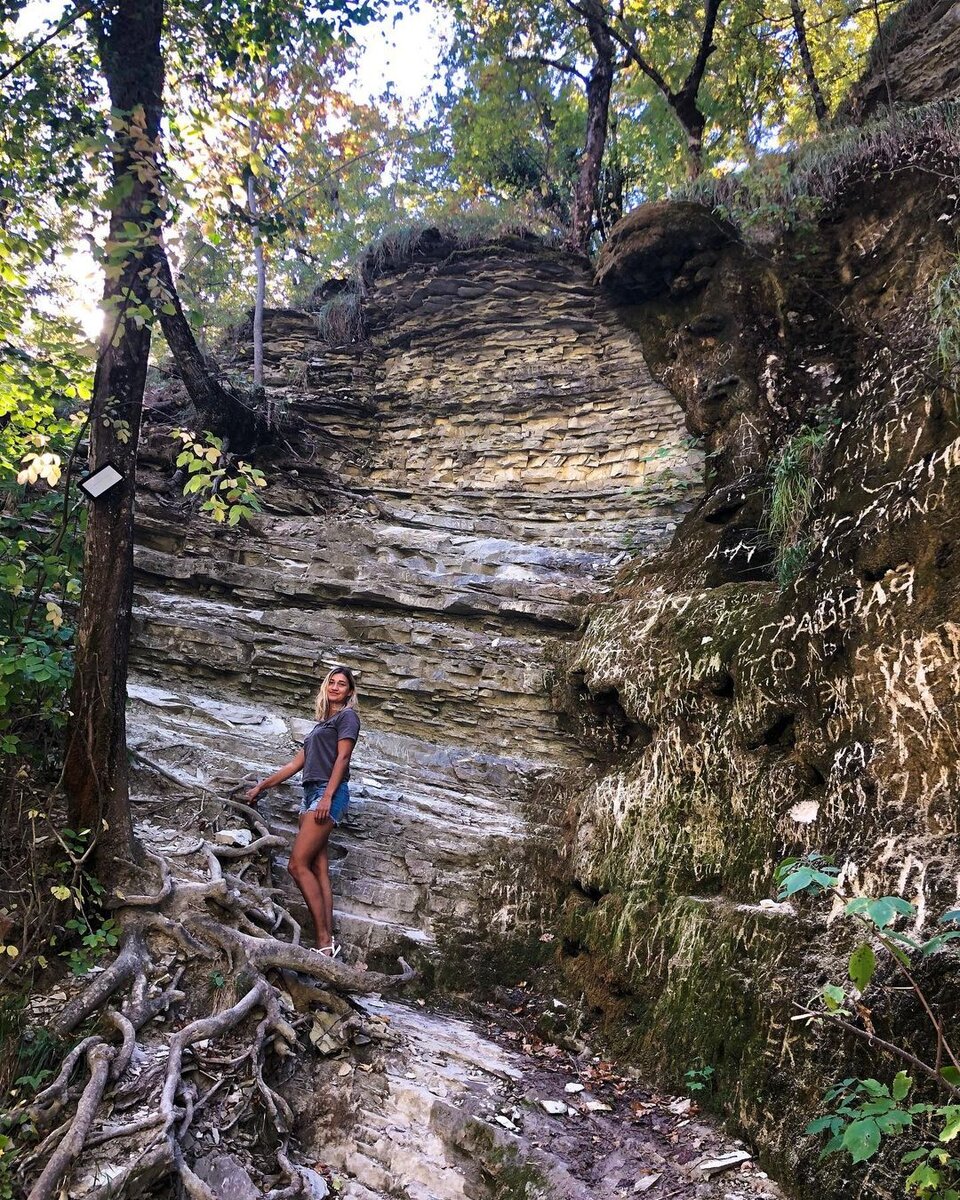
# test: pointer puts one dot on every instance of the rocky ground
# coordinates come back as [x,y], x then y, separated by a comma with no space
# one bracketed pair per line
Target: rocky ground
[474,1108]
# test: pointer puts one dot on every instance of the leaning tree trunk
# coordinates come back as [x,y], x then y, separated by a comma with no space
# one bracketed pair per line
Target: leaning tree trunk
[800,29]
[599,85]
[95,768]
[222,412]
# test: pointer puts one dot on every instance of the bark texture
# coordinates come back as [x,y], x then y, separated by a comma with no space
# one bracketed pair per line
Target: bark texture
[810,74]
[95,769]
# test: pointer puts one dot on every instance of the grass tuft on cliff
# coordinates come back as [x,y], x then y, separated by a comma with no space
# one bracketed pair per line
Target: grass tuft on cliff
[398,245]
[794,488]
[945,318]
[340,317]
[784,190]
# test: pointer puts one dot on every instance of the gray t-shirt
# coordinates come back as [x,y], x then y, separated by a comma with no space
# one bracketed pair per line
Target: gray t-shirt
[320,745]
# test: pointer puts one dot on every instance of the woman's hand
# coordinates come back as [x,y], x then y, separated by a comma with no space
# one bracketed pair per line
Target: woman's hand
[253,795]
[322,811]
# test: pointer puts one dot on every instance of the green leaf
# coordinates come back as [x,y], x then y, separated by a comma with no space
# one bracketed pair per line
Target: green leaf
[876,1108]
[902,1083]
[923,1179]
[894,1122]
[952,915]
[902,939]
[938,941]
[805,879]
[833,996]
[863,963]
[861,1139]
[881,912]
[952,1125]
[821,1124]
[951,1075]
[834,1146]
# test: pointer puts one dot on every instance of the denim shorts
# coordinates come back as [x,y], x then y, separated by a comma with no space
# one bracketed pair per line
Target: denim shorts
[312,792]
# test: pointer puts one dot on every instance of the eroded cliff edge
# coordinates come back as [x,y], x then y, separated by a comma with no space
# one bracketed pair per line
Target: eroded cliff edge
[818,712]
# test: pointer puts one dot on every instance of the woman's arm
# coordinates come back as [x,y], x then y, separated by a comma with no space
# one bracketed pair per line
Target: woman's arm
[342,762]
[292,767]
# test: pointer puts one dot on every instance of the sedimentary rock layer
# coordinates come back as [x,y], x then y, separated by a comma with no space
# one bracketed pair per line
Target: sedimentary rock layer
[444,498]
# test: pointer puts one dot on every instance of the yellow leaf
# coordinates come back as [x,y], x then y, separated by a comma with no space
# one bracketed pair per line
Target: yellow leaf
[59,892]
[13,951]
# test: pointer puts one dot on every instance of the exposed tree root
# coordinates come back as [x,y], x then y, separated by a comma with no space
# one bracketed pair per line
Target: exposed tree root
[124,967]
[184,1031]
[99,1060]
[264,953]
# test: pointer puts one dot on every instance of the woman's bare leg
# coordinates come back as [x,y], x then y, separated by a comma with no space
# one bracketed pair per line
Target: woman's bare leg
[310,842]
[321,872]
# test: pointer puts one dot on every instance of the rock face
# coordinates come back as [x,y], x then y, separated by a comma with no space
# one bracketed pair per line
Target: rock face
[453,495]
[918,56]
[441,1112]
[444,499]
[820,712]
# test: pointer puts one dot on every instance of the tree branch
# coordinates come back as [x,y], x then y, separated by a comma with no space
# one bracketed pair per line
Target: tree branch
[542,61]
[873,1040]
[628,44]
[64,25]
[691,84]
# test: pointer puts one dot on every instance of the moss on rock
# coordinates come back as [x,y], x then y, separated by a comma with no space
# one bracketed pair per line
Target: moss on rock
[824,714]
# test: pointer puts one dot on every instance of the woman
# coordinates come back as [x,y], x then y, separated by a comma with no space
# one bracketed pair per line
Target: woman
[325,762]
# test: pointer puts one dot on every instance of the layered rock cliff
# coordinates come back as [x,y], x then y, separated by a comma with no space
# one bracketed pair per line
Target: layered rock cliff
[915,60]
[445,497]
[491,464]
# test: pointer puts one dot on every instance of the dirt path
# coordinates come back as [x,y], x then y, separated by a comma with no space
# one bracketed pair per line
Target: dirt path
[441,1107]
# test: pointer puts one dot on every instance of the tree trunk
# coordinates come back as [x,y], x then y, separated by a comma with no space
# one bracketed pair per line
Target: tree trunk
[693,122]
[261,287]
[223,413]
[599,85]
[683,102]
[253,208]
[800,28]
[95,767]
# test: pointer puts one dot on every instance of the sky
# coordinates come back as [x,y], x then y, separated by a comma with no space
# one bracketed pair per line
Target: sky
[402,50]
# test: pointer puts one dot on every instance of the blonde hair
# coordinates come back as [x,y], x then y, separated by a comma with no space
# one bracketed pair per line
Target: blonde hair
[321,708]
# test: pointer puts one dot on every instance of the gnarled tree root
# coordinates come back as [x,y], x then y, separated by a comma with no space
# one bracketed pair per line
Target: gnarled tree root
[131,1064]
